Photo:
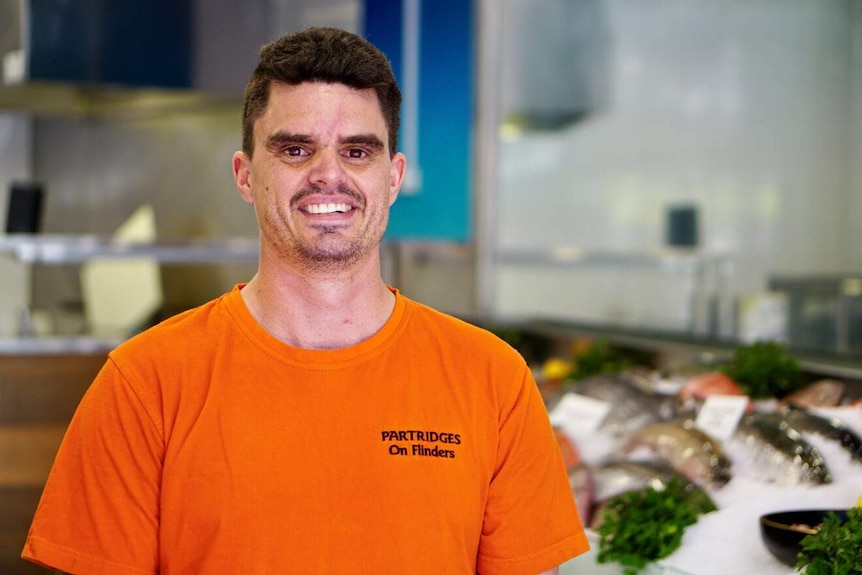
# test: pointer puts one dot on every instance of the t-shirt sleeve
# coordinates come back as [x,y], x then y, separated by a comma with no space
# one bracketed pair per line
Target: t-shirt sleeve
[531,520]
[99,510]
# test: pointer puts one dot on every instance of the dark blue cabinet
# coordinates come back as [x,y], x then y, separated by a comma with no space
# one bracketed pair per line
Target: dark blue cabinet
[125,42]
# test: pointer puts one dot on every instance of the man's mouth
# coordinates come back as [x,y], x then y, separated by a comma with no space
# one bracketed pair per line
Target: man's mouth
[327,208]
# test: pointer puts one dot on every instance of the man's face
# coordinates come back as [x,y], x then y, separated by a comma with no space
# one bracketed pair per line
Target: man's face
[321,178]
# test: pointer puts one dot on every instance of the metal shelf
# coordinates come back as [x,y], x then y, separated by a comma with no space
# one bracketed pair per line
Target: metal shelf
[53,346]
[63,249]
[668,260]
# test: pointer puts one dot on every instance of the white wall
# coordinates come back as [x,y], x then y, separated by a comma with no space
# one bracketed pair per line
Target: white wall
[742,107]
[851,236]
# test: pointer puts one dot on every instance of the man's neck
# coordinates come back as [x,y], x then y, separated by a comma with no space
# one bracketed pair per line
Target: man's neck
[315,311]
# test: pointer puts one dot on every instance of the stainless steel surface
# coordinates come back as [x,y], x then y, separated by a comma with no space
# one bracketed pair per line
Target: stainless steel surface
[824,310]
[681,261]
[53,99]
[65,251]
[60,249]
[491,20]
[56,345]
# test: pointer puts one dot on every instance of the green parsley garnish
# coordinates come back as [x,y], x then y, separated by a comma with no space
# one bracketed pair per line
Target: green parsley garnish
[644,526]
[764,370]
[835,549]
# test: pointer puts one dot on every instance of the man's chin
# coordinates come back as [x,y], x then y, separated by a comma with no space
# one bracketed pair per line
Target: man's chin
[335,254]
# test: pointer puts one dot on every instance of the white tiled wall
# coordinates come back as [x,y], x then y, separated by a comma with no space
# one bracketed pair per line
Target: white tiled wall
[749,109]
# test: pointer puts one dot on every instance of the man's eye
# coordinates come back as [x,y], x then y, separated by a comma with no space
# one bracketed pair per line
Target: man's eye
[294,151]
[356,153]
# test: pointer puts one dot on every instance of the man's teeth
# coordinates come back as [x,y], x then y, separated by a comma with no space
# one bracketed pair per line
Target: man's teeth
[327,208]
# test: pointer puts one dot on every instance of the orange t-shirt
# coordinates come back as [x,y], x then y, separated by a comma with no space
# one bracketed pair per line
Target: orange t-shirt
[207,446]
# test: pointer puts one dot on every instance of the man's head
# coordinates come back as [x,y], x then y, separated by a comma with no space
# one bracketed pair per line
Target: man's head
[321,55]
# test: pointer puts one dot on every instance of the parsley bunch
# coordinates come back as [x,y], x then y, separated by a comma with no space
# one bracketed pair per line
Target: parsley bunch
[598,358]
[764,369]
[836,548]
[640,527]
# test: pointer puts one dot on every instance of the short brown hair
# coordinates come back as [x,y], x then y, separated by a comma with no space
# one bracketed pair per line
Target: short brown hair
[321,55]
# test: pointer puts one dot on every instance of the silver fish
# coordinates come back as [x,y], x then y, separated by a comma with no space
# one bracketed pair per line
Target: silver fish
[830,428]
[632,407]
[618,476]
[583,488]
[779,454]
[690,451]
[823,393]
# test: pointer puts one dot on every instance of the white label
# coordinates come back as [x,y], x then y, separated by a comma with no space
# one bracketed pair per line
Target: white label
[720,414]
[579,415]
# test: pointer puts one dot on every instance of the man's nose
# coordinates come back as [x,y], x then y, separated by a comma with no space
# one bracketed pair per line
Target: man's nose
[326,167]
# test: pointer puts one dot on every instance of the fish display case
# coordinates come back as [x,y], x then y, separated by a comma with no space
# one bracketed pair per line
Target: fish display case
[744,482]
[803,451]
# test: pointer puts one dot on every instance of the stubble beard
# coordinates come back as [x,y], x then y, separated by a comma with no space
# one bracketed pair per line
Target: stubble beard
[327,250]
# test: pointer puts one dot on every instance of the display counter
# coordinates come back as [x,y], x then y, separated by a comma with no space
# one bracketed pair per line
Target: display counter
[727,540]
[675,344]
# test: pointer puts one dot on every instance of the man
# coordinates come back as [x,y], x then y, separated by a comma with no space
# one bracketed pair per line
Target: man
[314,420]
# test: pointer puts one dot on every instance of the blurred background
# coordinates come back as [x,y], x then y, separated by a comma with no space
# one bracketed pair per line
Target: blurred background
[684,166]
[690,166]
[689,169]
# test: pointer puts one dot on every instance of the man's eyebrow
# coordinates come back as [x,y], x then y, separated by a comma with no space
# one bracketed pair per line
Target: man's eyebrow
[369,140]
[280,139]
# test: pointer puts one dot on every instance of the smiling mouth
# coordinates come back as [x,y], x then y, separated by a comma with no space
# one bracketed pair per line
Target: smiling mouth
[327,208]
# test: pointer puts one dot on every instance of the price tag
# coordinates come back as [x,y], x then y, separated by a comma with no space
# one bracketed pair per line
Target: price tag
[579,415]
[720,414]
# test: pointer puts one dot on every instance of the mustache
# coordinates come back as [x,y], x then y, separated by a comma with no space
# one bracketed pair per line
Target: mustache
[340,189]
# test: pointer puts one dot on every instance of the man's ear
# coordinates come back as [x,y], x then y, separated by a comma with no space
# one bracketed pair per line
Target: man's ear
[242,176]
[396,175]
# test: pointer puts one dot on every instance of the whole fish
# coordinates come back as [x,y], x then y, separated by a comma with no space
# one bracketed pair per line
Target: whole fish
[618,476]
[568,448]
[632,407]
[823,393]
[713,383]
[583,489]
[690,451]
[830,428]
[778,454]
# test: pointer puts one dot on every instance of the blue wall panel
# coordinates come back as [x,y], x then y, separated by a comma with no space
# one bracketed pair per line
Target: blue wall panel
[440,209]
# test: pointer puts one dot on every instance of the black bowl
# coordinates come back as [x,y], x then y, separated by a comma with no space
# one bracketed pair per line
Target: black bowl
[783,531]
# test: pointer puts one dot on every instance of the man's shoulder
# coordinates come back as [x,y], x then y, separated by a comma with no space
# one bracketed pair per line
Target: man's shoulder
[192,327]
[461,332]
